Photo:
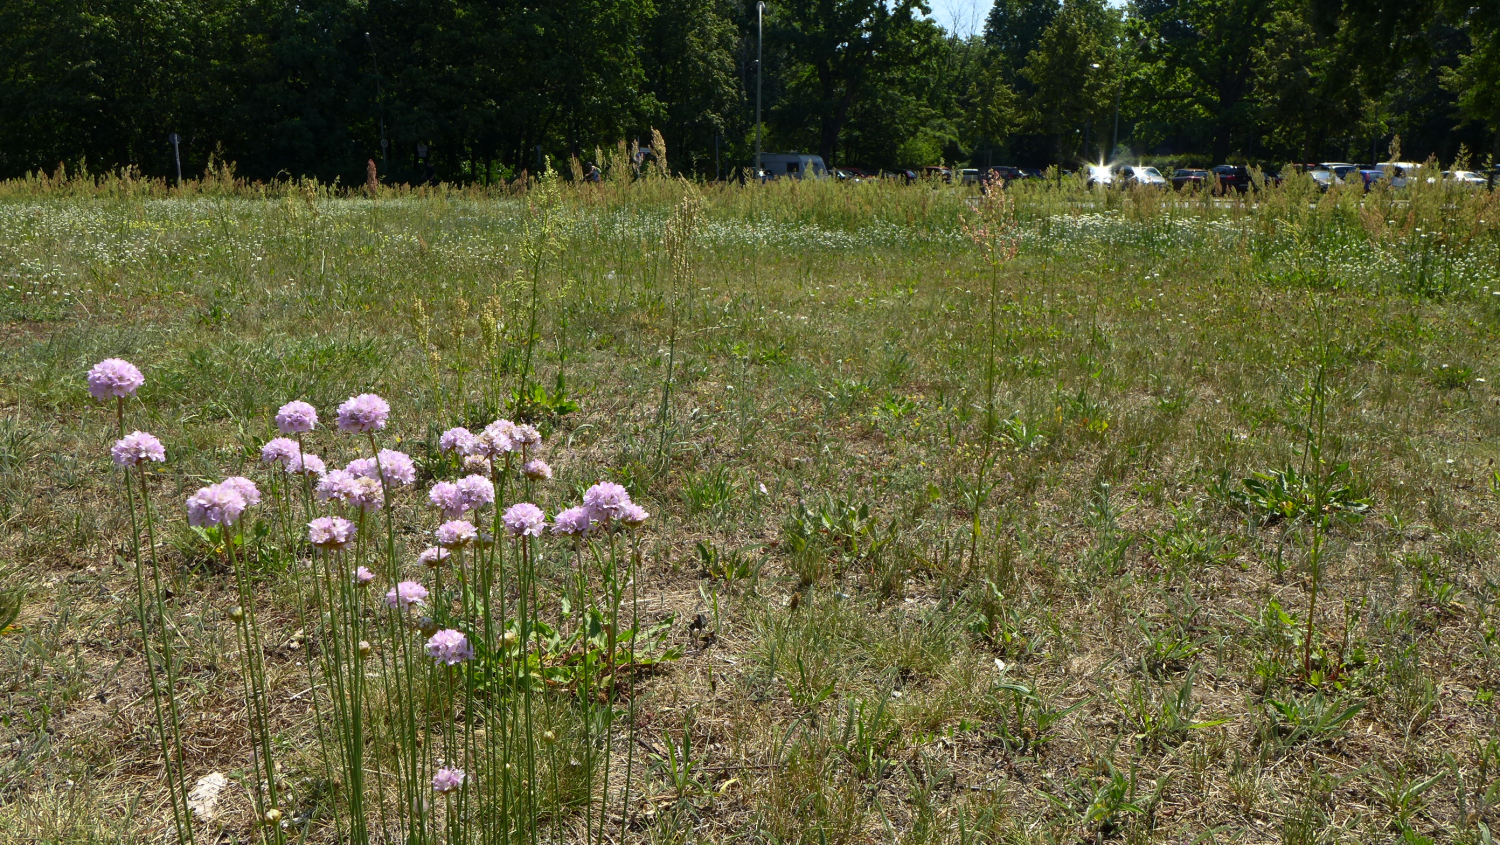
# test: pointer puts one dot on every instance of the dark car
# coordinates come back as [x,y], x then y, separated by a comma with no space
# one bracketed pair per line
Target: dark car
[1004,174]
[933,171]
[1232,178]
[1195,179]
[907,176]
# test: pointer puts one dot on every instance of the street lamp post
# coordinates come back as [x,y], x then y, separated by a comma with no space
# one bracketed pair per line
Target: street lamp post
[379,100]
[760,9]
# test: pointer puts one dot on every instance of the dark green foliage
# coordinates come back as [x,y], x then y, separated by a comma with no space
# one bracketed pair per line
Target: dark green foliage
[466,91]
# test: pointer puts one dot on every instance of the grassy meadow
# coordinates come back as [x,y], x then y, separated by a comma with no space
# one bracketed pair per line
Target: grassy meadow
[945,549]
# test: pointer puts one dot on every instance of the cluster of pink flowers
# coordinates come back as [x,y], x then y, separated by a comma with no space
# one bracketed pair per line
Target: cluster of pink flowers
[524,520]
[605,504]
[306,464]
[447,779]
[222,503]
[330,532]
[296,418]
[467,494]
[449,647]
[342,486]
[498,439]
[137,448]
[456,533]
[389,466]
[364,413]
[406,594]
[281,450]
[114,378]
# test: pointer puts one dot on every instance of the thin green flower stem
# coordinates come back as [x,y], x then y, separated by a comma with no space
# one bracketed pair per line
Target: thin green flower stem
[255,689]
[166,637]
[527,613]
[332,679]
[307,482]
[500,777]
[354,614]
[176,786]
[635,632]
[613,594]
[414,785]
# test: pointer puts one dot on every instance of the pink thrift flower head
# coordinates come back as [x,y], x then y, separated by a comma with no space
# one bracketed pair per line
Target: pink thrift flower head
[633,515]
[433,557]
[526,436]
[573,522]
[296,418]
[137,448]
[605,500]
[476,491]
[397,468]
[449,647]
[330,532]
[113,377]
[458,440]
[335,486]
[245,487]
[478,464]
[282,450]
[363,576]
[536,469]
[215,505]
[362,468]
[366,494]
[447,780]
[308,464]
[406,594]
[497,439]
[455,534]
[525,520]
[364,413]
[446,497]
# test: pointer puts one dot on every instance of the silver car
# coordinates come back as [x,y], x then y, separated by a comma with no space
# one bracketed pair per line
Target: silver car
[1148,176]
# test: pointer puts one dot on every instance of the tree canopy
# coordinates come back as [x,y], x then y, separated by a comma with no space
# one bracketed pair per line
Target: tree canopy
[475,90]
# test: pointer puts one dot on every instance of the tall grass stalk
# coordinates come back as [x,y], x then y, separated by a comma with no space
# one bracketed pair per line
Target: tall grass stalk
[991,227]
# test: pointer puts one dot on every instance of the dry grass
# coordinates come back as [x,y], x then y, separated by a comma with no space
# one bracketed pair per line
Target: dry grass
[831,350]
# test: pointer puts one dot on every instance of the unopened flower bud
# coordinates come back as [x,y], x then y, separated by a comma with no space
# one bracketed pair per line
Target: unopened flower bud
[427,625]
[364,648]
[237,613]
[510,637]
[273,816]
[549,737]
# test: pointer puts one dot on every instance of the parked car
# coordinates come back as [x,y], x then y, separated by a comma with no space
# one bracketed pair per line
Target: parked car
[793,166]
[1194,179]
[907,176]
[933,171]
[1100,175]
[1033,174]
[969,176]
[1005,174]
[1148,177]
[1466,178]
[1400,172]
[1231,177]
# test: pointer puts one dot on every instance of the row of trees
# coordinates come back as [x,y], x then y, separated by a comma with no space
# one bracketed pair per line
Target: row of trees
[479,89]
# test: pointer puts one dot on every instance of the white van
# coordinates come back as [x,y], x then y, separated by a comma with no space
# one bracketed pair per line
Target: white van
[793,165]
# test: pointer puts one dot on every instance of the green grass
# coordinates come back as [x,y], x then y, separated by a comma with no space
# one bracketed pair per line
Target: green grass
[1121,652]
